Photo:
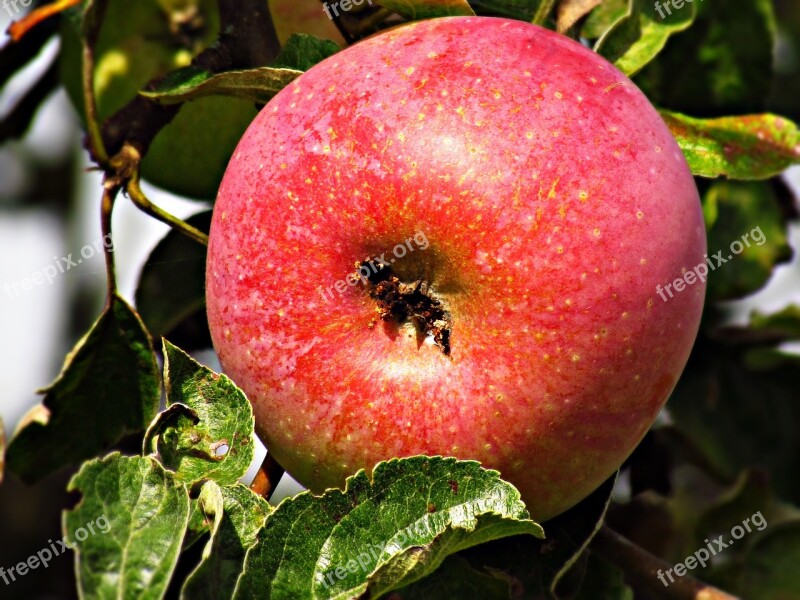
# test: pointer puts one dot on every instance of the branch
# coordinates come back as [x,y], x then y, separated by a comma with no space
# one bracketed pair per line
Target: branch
[642,569]
[543,12]
[15,55]
[267,477]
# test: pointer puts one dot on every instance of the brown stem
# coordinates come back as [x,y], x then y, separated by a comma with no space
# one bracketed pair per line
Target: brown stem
[106,210]
[267,477]
[642,569]
[92,21]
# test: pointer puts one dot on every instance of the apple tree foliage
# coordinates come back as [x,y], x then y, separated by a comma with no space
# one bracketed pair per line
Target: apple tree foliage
[430,527]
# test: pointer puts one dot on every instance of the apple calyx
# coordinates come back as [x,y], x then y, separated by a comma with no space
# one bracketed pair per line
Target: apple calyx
[399,302]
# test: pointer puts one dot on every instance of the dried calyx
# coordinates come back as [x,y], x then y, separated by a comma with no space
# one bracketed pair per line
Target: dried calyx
[399,302]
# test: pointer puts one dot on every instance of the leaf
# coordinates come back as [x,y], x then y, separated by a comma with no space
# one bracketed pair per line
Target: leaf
[540,567]
[603,18]
[746,238]
[746,147]
[521,10]
[189,83]
[723,64]
[172,283]
[784,324]
[380,535]
[456,579]
[739,416]
[109,387]
[236,514]
[141,511]
[770,571]
[417,10]
[571,11]
[603,581]
[206,432]
[574,530]
[303,51]
[636,39]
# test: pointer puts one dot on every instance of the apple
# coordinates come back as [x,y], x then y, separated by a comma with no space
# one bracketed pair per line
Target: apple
[447,240]
[147,38]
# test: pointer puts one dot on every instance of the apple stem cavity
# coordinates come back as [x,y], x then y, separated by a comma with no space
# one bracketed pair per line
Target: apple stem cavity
[399,302]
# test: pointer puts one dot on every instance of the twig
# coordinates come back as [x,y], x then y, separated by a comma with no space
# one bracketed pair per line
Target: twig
[92,21]
[106,210]
[543,12]
[267,477]
[642,569]
[15,55]
[126,164]
[19,29]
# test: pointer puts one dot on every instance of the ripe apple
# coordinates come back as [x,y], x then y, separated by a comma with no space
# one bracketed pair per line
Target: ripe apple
[540,200]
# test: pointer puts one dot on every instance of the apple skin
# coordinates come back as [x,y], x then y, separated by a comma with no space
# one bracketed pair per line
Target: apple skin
[554,201]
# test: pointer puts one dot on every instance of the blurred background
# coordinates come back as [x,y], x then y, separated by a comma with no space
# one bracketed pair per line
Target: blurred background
[49,208]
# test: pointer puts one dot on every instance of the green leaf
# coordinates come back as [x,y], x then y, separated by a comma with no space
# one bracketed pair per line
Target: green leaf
[141,512]
[303,51]
[236,514]
[521,10]
[555,565]
[770,571]
[636,39]
[258,85]
[416,10]
[172,283]
[739,416]
[206,432]
[109,387]
[603,581]
[456,579]
[380,535]
[746,147]
[574,530]
[603,18]
[744,217]
[784,324]
[722,65]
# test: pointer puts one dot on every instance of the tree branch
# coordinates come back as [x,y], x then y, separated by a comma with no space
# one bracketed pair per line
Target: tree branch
[642,569]
[267,477]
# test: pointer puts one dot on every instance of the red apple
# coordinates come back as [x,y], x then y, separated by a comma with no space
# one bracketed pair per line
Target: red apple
[522,328]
